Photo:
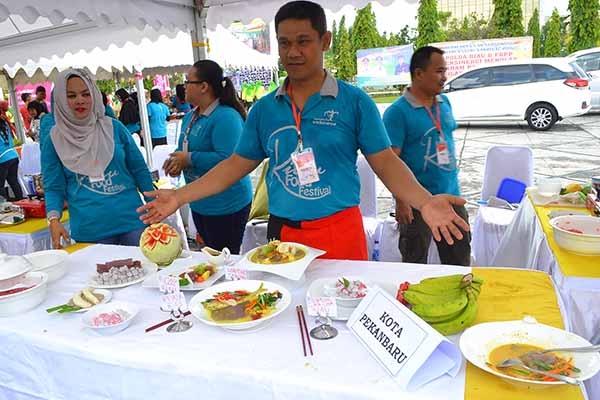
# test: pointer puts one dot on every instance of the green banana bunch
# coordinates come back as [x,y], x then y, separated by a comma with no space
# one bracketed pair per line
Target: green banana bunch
[448,303]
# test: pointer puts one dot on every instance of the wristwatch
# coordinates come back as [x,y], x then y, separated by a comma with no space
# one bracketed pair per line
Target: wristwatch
[51,218]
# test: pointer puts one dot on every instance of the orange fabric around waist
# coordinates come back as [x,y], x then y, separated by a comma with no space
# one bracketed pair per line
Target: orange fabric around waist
[341,235]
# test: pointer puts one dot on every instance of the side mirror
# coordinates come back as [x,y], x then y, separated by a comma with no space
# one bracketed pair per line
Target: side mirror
[447,89]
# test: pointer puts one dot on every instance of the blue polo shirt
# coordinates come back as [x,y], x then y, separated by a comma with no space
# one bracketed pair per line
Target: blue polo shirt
[157,116]
[336,122]
[411,129]
[211,140]
[7,150]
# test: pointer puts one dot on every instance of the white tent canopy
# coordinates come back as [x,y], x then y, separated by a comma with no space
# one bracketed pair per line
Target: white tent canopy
[227,50]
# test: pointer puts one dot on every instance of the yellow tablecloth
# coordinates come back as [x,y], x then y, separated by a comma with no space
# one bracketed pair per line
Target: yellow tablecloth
[32,225]
[510,295]
[570,264]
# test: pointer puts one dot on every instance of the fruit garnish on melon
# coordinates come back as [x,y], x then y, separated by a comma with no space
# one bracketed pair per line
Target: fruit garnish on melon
[161,244]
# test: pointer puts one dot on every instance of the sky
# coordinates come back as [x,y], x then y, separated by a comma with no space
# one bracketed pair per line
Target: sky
[400,13]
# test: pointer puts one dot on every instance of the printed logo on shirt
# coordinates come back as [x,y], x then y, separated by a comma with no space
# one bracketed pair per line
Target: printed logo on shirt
[429,140]
[284,171]
[328,118]
[105,187]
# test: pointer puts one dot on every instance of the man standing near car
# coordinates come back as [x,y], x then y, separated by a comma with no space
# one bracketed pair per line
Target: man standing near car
[420,125]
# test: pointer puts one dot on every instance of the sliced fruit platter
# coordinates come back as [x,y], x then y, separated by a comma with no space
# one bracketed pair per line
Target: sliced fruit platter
[447,303]
[82,301]
[197,274]
[191,277]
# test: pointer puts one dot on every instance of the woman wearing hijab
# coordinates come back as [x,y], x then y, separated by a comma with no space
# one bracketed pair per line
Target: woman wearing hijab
[9,162]
[92,162]
[209,136]
[158,113]
[129,115]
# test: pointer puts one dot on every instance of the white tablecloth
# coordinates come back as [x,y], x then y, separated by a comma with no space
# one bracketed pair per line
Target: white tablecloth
[488,229]
[24,243]
[52,357]
[524,245]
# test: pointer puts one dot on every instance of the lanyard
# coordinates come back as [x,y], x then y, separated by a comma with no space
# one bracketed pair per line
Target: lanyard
[297,117]
[436,122]
[195,118]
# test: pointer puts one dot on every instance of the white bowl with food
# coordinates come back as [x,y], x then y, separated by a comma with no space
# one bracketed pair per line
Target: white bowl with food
[579,234]
[240,305]
[27,294]
[347,291]
[548,187]
[13,270]
[287,259]
[485,345]
[52,262]
[110,318]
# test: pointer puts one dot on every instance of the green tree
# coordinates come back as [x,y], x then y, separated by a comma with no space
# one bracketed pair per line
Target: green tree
[585,24]
[345,56]
[428,25]
[507,19]
[470,28]
[334,38]
[552,39]
[533,30]
[364,32]
[106,86]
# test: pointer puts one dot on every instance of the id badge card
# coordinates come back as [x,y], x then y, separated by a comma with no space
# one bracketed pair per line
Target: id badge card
[185,145]
[443,155]
[306,166]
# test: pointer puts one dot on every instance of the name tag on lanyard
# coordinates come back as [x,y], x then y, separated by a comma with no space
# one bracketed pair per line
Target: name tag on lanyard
[303,159]
[441,148]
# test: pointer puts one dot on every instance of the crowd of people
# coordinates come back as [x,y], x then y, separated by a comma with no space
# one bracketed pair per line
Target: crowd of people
[310,129]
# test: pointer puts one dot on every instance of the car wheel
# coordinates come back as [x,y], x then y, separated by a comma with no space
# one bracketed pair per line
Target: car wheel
[541,117]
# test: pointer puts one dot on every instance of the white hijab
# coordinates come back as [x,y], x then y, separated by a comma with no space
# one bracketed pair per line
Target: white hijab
[85,146]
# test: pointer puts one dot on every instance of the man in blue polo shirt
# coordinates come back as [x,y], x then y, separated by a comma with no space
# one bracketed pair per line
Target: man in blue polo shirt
[311,130]
[420,125]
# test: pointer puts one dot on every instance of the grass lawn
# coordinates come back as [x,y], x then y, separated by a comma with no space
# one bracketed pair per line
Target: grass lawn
[385,99]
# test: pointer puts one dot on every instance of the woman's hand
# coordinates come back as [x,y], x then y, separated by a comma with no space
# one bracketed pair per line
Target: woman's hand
[438,213]
[164,204]
[176,163]
[57,231]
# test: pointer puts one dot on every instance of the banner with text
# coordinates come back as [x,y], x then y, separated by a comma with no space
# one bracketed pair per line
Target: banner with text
[383,66]
[468,54]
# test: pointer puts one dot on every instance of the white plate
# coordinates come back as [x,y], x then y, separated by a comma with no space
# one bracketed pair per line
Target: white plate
[344,308]
[107,296]
[555,200]
[184,255]
[151,281]
[197,309]
[478,341]
[293,270]
[149,269]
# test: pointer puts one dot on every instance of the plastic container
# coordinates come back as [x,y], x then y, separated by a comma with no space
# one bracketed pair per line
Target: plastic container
[511,190]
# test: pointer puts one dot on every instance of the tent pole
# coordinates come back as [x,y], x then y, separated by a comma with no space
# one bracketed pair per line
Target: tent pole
[17,114]
[139,86]
[199,33]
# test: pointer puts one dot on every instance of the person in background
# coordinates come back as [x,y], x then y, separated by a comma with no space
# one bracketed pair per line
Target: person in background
[420,125]
[108,110]
[4,116]
[311,129]
[209,136]
[36,111]
[129,115]
[40,97]
[26,98]
[158,114]
[91,161]
[9,163]
[179,101]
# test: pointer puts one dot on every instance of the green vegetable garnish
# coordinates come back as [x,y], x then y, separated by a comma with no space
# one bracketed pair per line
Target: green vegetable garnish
[344,282]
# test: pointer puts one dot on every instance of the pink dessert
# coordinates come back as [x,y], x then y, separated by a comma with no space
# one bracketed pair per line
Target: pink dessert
[110,319]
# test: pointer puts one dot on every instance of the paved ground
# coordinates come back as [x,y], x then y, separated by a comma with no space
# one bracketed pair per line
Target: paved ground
[570,150]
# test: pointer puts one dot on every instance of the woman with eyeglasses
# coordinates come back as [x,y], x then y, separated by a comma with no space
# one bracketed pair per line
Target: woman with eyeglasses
[209,135]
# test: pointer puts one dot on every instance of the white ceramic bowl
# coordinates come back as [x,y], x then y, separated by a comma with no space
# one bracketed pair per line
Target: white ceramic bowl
[549,187]
[478,341]
[216,257]
[52,262]
[12,270]
[21,302]
[130,308]
[197,309]
[586,243]
[329,290]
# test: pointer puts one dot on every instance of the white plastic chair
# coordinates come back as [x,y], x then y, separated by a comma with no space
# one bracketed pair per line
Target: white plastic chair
[160,155]
[501,162]
[30,163]
[368,191]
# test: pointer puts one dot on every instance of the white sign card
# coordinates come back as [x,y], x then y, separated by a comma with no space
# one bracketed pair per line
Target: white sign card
[235,273]
[168,283]
[323,306]
[410,350]
[173,301]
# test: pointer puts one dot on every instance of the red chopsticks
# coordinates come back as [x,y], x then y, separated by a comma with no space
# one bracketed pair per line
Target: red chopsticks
[165,322]
[303,330]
